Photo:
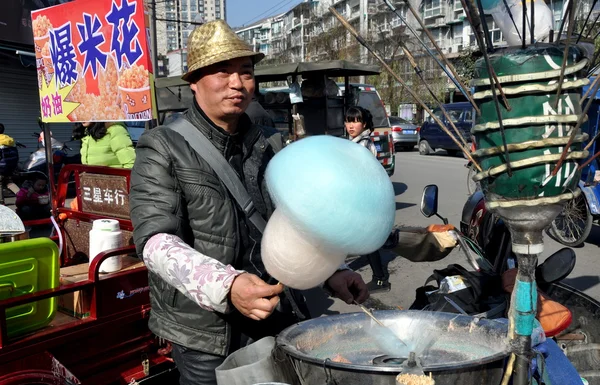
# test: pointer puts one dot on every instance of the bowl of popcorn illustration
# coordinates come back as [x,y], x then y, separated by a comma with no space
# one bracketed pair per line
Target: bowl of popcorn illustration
[134,90]
[41,34]
[47,60]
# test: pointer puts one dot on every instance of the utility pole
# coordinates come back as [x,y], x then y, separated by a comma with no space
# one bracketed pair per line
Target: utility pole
[179,45]
[364,26]
[302,55]
[154,39]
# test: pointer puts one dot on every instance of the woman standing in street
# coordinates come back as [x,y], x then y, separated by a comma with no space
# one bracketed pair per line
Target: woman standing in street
[359,125]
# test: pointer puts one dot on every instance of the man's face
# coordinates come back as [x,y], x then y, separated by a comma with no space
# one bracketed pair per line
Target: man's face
[225,89]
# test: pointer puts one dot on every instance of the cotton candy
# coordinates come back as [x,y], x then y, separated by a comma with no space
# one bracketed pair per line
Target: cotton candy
[335,192]
[292,258]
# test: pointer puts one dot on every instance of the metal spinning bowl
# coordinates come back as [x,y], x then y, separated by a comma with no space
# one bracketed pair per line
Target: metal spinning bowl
[352,349]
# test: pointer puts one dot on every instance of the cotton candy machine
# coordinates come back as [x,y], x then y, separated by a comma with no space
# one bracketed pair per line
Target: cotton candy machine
[351,349]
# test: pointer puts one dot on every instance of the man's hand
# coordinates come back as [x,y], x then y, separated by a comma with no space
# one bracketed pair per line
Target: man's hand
[348,286]
[253,297]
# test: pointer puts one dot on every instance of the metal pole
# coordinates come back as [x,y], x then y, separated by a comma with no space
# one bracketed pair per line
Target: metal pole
[532,22]
[439,50]
[154,37]
[179,45]
[154,122]
[50,164]
[524,37]
[362,41]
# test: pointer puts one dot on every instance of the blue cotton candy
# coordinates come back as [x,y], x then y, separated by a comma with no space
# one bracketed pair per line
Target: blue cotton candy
[335,191]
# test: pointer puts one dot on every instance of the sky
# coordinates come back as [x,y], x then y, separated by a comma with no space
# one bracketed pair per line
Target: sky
[243,12]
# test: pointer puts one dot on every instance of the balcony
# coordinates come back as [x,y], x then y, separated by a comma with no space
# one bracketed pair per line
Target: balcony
[396,22]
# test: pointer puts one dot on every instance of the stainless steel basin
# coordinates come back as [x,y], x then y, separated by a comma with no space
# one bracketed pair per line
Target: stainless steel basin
[351,349]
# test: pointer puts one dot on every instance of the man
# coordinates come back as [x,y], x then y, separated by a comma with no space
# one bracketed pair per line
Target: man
[210,293]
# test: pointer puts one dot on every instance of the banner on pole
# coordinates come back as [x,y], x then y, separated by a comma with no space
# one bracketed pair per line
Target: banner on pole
[94,61]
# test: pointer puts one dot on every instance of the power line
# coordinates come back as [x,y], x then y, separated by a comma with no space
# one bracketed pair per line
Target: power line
[180,21]
[277,6]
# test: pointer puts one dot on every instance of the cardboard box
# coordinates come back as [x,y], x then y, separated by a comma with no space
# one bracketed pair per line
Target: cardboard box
[78,304]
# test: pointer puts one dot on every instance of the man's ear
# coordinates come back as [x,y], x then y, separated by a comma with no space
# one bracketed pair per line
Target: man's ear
[194,87]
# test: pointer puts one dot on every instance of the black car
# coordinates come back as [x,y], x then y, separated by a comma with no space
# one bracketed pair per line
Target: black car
[432,137]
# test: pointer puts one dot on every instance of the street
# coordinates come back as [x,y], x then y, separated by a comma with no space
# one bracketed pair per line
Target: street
[413,173]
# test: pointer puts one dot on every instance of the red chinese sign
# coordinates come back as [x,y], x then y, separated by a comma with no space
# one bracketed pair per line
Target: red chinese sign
[94,61]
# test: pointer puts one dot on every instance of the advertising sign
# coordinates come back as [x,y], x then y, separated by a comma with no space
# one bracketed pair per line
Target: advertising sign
[93,61]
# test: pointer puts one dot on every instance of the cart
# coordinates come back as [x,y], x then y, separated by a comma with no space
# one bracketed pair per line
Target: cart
[92,327]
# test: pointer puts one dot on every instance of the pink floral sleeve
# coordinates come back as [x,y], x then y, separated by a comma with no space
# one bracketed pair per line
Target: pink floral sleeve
[202,279]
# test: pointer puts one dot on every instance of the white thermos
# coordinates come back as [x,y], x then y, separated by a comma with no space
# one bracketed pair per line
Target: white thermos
[106,235]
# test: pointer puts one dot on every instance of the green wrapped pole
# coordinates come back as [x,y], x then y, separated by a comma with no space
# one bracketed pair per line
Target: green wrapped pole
[536,130]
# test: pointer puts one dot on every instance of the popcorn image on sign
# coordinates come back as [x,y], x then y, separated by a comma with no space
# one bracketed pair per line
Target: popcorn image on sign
[41,36]
[107,83]
[47,60]
[79,89]
[134,88]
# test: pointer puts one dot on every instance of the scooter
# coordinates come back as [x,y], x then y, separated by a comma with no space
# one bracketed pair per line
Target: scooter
[580,341]
[37,159]
[482,257]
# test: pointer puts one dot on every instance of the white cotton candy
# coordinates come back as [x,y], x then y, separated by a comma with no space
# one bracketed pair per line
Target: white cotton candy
[292,258]
[335,191]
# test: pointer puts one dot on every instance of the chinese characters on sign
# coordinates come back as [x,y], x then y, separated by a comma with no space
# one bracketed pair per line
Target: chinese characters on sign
[98,195]
[93,61]
[104,194]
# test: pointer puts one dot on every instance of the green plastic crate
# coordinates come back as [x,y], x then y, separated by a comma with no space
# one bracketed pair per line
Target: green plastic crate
[27,267]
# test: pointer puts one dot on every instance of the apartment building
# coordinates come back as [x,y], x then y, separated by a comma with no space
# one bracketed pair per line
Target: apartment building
[175,20]
[295,32]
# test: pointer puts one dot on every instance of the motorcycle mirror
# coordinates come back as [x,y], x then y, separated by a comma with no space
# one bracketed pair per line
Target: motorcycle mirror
[429,201]
[556,267]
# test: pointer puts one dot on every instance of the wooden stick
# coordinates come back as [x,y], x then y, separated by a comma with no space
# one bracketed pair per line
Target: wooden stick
[419,73]
[362,41]
[509,369]
[378,322]
[565,54]
[587,93]
[591,143]
[574,132]
[475,21]
[588,161]
[444,58]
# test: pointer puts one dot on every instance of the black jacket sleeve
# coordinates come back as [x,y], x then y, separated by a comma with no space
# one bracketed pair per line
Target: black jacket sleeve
[154,198]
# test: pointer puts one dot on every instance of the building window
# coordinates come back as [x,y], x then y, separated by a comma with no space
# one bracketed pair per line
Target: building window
[184,7]
[557,10]
[193,6]
[432,8]
[494,30]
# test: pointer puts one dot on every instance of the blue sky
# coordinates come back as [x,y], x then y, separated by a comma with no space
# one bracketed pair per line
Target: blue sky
[242,12]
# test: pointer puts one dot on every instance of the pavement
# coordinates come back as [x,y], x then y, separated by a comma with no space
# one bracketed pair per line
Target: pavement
[413,173]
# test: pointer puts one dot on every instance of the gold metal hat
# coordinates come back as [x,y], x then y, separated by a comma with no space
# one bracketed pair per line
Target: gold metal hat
[215,42]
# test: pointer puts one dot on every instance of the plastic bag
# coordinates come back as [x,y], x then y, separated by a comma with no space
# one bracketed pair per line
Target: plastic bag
[260,362]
